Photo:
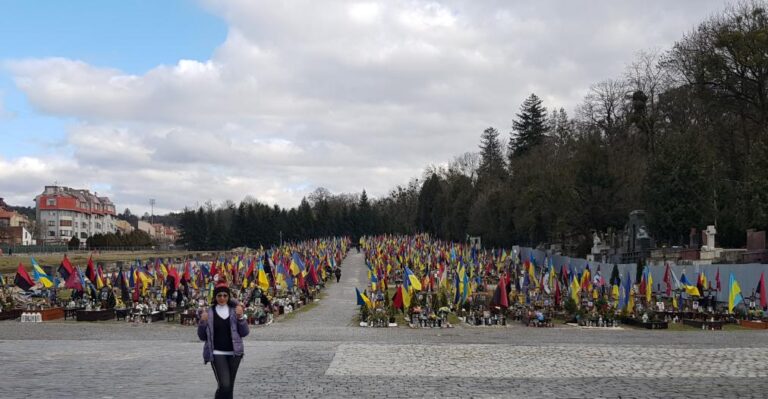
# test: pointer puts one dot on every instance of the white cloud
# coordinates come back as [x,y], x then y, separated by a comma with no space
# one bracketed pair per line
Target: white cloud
[364,13]
[336,94]
[24,177]
[427,16]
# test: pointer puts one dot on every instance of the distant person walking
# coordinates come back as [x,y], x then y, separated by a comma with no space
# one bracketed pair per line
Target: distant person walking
[223,326]
[337,273]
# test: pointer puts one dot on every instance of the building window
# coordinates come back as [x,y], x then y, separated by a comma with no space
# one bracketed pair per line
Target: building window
[84,225]
[51,202]
[51,223]
[64,233]
[65,223]
[83,235]
[51,233]
[98,226]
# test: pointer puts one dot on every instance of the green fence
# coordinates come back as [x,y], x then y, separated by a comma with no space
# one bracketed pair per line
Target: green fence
[32,249]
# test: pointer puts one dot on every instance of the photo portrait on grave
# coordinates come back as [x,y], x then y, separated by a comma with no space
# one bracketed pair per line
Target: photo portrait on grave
[222,326]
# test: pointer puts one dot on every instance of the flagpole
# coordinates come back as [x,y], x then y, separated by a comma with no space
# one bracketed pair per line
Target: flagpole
[55,290]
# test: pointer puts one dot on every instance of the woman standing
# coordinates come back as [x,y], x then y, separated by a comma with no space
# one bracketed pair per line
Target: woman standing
[222,327]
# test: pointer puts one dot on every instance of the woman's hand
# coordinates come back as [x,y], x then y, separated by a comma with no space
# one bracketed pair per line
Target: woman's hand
[239,311]
[204,316]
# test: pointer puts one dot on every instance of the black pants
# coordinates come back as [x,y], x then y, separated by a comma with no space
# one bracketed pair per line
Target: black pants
[225,370]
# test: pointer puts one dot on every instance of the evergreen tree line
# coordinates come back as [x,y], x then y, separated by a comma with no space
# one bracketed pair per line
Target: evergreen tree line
[252,223]
[136,238]
[683,134]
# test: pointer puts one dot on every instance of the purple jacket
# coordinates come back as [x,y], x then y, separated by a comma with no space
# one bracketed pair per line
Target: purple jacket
[239,330]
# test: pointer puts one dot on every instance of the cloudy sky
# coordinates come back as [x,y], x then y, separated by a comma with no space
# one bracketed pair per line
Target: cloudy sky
[190,101]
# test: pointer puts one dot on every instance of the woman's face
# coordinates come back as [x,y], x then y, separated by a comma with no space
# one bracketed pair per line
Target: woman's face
[222,298]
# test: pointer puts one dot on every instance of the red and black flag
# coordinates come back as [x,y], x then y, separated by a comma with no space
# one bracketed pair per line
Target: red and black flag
[268,266]
[123,284]
[500,295]
[90,272]
[249,273]
[213,271]
[22,279]
[173,278]
[397,300]
[312,275]
[761,291]
[668,280]
[186,277]
[65,268]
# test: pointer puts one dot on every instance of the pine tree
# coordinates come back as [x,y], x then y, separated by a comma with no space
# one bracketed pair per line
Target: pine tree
[529,127]
[306,220]
[365,215]
[492,167]
[560,128]
[429,217]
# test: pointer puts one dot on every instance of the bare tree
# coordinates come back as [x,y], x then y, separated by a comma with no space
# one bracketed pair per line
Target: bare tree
[320,194]
[466,164]
[647,79]
[605,106]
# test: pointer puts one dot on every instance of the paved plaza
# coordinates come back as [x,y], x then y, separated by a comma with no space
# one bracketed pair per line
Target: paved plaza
[321,353]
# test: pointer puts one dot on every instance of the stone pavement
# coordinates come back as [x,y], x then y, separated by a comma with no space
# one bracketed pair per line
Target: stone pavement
[507,361]
[320,353]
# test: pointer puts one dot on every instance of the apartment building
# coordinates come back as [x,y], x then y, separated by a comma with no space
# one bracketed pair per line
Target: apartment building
[64,212]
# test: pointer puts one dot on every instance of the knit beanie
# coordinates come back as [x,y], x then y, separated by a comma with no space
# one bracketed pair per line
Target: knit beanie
[221,287]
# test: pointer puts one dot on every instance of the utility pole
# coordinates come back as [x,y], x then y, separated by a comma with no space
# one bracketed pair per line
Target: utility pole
[152,211]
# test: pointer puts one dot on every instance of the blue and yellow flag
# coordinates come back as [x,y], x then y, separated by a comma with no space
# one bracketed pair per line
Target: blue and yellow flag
[297,266]
[457,288]
[406,298]
[412,279]
[626,289]
[39,275]
[690,289]
[362,299]
[734,293]
[465,288]
[575,288]
[263,280]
